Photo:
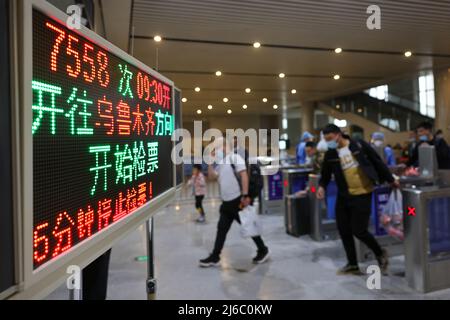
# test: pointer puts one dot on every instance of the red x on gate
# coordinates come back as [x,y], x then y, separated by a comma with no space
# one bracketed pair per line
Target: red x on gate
[411,211]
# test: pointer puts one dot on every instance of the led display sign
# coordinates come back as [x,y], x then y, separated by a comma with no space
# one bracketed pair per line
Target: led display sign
[101,130]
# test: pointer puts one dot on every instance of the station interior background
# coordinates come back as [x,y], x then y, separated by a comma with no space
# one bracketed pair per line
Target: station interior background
[381,80]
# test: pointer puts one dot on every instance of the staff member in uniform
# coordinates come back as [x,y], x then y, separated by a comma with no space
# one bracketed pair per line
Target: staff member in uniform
[357,168]
[425,134]
[234,196]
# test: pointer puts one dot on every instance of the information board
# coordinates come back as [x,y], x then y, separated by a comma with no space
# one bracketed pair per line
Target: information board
[179,168]
[6,212]
[101,130]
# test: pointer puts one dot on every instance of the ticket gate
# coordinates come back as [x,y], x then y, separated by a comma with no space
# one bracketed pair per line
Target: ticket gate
[272,192]
[323,220]
[294,180]
[427,237]
[297,215]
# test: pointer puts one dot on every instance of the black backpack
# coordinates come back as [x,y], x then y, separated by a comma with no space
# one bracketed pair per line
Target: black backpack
[255,180]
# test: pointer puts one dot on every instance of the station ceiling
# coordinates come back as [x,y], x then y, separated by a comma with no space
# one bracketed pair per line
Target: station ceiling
[298,38]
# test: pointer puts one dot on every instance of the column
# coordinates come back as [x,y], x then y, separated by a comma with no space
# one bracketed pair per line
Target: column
[442,99]
[307,116]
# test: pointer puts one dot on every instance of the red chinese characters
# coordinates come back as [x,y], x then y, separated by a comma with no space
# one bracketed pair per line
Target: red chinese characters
[153,91]
[52,238]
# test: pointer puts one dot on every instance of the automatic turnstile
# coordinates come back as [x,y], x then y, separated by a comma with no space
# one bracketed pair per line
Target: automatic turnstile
[427,237]
[297,215]
[272,192]
[323,223]
[294,180]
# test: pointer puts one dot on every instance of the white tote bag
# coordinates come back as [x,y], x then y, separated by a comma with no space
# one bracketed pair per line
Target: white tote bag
[250,222]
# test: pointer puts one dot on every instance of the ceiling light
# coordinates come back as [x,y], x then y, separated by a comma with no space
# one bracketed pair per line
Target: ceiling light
[360,110]
[338,106]
[408,54]
[210,107]
[244,107]
[336,77]
[338,50]
[275,107]
[225,100]
[199,111]
[256,45]
[340,123]
[282,75]
[197,89]
[157,38]
[293,91]
[229,111]
[184,100]
[218,73]
[248,90]
[264,100]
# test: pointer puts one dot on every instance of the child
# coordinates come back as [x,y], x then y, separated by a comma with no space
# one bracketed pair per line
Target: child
[199,185]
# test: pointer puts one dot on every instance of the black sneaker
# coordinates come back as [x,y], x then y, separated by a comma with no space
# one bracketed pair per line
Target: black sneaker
[211,261]
[383,261]
[261,256]
[349,269]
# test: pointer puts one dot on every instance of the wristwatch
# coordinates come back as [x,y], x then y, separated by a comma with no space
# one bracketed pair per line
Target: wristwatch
[245,196]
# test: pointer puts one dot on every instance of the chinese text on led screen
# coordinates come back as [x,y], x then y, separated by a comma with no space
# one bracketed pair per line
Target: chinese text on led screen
[101,138]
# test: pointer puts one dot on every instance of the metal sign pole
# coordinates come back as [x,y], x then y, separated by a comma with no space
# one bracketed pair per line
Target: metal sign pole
[151,281]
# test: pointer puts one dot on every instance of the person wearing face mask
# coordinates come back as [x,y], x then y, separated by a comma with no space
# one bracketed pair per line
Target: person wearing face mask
[357,168]
[425,134]
[378,141]
[234,194]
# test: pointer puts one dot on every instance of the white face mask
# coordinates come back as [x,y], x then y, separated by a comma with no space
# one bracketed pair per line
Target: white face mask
[378,143]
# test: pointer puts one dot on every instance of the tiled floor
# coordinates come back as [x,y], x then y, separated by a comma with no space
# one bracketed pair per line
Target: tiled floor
[299,268]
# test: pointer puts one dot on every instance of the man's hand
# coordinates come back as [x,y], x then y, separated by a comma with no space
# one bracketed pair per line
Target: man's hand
[395,184]
[245,201]
[320,193]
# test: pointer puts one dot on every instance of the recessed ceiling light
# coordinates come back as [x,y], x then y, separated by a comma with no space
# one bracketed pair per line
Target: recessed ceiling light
[157,38]
[248,90]
[199,111]
[275,106]
[338,50]
[184,100]
[293,91]
[244,107]
[408,54]
[210,107]
[256,45]
[265,100]
[225,100]
[336,77]
[229,111]
[218,73]
[197,89]
[282,75]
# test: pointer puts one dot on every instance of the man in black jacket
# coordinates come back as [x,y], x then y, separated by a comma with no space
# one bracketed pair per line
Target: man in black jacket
[425,133]
[357,168]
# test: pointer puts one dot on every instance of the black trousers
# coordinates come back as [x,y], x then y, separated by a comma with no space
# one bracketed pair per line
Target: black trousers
[199,205]
[352,219]
[95,278]
[229,211]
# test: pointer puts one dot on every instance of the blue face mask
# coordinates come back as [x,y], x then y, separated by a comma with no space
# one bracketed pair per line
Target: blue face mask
[423,138]
[219,155]
[332,144]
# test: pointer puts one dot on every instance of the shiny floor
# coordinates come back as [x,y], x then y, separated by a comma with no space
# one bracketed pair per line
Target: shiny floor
[299,268]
